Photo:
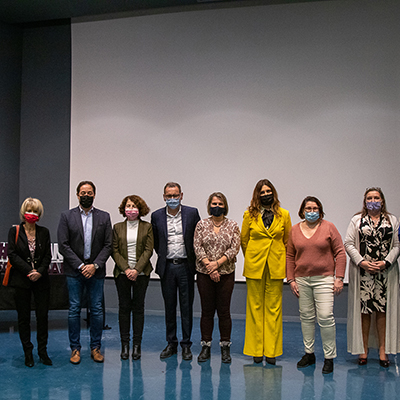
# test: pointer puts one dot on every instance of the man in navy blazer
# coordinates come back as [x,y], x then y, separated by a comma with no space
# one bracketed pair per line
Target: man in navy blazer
[85,241]
[173,229]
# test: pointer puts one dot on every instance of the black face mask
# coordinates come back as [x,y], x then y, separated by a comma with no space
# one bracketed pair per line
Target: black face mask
[86,201]
[267,199]
[217,211]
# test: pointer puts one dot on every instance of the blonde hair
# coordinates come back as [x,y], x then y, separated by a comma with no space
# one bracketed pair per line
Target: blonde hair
[36,204]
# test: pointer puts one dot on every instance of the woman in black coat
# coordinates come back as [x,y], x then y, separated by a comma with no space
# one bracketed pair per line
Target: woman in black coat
[30,257]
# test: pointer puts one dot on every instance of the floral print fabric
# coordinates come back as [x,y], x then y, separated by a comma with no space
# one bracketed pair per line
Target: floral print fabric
[211,245]
[375,243]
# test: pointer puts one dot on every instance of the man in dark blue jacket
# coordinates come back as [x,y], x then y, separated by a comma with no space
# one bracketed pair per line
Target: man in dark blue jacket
[173,229]
[85,240]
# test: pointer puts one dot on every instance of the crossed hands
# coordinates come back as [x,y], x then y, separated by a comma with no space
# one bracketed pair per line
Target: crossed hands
[131,274]
[34,275]
[373,267]
[212,269]
[88,270]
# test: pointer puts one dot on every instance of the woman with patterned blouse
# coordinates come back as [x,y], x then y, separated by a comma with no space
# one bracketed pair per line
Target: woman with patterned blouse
[216,244]
[373,246]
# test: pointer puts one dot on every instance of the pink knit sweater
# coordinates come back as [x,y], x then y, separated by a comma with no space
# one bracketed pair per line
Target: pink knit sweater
[322,254]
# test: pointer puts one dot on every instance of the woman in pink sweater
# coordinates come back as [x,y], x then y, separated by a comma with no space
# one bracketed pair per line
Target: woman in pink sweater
[316,263]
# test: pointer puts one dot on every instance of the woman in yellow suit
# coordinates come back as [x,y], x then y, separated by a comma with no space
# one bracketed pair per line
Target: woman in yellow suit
[265,232]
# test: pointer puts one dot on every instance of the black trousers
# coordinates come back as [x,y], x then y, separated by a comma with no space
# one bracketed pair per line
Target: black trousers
[23,304]
[178,278]
[215,296]
[131,295]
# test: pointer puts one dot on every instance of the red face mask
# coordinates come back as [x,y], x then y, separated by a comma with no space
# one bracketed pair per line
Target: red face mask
[31,218]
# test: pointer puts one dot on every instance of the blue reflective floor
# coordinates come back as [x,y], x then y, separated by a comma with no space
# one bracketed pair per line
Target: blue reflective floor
[151,378]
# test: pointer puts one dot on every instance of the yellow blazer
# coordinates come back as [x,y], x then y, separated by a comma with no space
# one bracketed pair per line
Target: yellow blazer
[144,248]
[261,246]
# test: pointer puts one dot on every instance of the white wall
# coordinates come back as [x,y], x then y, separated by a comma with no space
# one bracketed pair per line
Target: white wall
[306,95]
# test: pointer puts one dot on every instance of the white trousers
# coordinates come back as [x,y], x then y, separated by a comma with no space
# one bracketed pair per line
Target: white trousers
[316,300]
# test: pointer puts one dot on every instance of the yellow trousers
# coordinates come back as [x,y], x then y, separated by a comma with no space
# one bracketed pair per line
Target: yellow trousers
[264,329]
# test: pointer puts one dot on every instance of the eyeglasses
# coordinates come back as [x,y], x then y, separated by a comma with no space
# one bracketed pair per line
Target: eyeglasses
[172,196]
[309,209]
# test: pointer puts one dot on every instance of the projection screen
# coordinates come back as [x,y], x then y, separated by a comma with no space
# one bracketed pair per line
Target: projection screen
[306,95]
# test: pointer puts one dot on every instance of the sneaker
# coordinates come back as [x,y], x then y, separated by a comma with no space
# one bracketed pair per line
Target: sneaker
[306,360]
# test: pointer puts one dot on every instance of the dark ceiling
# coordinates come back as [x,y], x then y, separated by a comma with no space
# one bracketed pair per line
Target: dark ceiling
[40,11]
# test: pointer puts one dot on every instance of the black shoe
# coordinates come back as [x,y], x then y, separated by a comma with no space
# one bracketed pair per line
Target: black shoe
[186,353]
[328,366]
[44,358]
[29,359]
[226,354]
[270,360]
[169,351]
[124,351]
[384,363]
[258,360]
[362,361]
[204,354]
[136,352]
[307,360]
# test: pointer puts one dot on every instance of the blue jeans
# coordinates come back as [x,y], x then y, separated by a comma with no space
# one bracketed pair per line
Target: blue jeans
[94,289]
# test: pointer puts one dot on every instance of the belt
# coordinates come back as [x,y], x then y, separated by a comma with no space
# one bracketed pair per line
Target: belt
[176,261]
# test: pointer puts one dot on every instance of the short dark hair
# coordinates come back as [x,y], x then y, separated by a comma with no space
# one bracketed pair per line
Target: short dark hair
[315,200]
[80,184]
[172,185]
[220,196]
[139,203]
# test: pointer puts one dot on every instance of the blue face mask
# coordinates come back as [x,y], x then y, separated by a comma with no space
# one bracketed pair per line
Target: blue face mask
[312,216]
[173,203]
[374,205]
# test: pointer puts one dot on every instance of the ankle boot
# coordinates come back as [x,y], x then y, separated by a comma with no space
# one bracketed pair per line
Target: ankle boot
[226,352]
[204,354]
[137,352]
[124,351]
[29,359]
[44,357]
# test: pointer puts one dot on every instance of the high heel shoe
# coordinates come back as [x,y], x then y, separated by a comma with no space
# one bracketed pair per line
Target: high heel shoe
[362,361]
[384,363]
